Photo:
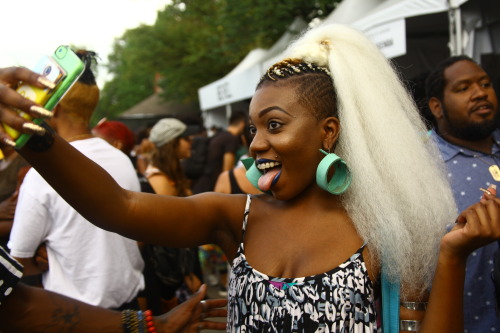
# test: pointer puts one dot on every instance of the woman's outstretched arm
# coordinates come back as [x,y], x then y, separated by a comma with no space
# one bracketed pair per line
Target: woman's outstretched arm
[147,217]
[94,193]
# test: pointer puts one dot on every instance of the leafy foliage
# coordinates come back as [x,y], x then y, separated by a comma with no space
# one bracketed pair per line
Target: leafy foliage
[194,42]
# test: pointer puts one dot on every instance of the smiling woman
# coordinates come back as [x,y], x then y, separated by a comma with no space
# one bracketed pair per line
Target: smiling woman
[305,259]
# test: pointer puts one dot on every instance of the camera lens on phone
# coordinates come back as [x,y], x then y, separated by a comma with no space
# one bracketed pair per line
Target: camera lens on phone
[47,70]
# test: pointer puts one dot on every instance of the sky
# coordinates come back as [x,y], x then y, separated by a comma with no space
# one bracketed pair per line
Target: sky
[33,28]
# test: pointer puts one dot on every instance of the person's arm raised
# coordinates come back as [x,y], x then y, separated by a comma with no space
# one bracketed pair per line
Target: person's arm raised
[30,309]
[477,226]
[146,217]
[94,193]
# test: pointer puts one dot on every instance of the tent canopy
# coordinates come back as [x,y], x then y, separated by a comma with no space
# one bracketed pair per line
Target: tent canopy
[240,83]
[393,25]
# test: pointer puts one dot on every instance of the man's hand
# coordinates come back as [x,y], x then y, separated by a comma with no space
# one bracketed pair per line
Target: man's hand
[8,207]
[190,316]
[42,258]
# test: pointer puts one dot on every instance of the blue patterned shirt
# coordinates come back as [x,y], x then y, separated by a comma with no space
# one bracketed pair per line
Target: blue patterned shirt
[467,172]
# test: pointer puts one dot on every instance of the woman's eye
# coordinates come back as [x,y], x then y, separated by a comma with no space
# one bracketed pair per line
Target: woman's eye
[274,125]
[252,130]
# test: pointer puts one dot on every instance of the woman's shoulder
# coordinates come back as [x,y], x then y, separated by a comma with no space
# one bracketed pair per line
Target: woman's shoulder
[152,171]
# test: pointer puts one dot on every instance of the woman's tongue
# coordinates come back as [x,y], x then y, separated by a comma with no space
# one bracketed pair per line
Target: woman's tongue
[266,180]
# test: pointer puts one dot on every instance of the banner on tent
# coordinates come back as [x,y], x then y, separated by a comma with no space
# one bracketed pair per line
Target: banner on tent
[390,38]
[229,89]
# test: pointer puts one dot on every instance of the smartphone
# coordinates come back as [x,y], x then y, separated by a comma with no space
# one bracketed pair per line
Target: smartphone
[49,68]
[64,68]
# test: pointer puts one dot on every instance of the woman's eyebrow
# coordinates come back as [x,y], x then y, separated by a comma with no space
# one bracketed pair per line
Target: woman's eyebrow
[271,108]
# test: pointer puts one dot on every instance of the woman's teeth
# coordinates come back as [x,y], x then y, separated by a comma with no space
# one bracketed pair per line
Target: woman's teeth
[268,165]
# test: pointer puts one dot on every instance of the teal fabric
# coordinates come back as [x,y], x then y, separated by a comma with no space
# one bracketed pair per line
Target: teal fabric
[390,306]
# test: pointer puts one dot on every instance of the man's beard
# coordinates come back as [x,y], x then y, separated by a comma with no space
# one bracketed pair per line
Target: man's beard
[472,131]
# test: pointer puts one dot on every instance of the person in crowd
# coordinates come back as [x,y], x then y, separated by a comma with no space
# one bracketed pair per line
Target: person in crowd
[116,134]
[307,255]
[141,154]
[85,262]
[121,137]
[172,141]
[13,168]
[464,105]
[177,269]
[221,153]
[232,181]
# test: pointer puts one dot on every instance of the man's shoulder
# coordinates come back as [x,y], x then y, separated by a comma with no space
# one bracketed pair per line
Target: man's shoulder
[33,179]
[113,160]
[101,151]
[447,149]
[221,136]
[496,136]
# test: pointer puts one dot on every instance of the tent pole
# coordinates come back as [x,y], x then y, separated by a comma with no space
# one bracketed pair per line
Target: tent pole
[455,19]
[228,111]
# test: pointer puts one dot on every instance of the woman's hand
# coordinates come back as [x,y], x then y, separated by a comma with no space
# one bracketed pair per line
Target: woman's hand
[11,100]
[189,317]
[475,227]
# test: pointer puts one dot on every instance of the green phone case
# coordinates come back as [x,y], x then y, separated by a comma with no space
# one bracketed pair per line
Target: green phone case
[73,67]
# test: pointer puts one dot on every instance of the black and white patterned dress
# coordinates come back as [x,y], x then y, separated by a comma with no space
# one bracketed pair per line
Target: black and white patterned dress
[341,300]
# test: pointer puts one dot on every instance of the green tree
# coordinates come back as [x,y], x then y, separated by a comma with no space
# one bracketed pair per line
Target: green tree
[194,42]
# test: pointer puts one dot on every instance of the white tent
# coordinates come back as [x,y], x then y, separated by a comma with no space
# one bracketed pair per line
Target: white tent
[239,84]
[415,33]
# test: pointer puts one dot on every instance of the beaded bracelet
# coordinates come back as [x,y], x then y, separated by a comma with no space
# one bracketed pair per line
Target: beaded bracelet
[149,321]
[138,321]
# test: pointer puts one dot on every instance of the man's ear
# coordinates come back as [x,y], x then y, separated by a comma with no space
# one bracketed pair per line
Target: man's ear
[117,144]
[436,108]
[331,128]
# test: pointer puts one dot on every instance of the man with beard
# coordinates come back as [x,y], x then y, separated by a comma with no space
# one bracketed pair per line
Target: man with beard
[463,102]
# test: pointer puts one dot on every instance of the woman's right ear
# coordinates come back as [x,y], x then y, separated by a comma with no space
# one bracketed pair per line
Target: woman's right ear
[331,128]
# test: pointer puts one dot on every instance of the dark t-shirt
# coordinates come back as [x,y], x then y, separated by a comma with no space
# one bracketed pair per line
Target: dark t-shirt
[223,142]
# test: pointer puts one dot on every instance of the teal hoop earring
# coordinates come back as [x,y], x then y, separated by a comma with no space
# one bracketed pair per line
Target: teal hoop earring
[253,174]
[341,178]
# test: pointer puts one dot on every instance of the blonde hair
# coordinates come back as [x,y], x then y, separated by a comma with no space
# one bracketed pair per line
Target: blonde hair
[399,201]
[80,101]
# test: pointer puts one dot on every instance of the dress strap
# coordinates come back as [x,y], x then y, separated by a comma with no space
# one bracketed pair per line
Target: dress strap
[245,215]
[235,188]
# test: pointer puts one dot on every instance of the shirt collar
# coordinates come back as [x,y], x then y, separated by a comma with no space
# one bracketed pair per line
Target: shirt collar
[449,150]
